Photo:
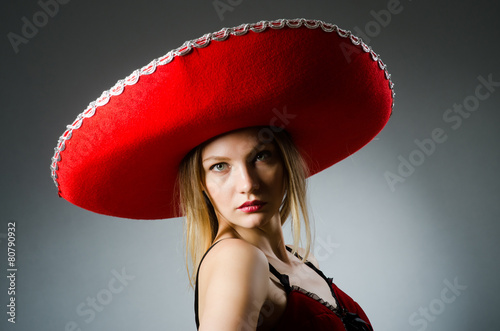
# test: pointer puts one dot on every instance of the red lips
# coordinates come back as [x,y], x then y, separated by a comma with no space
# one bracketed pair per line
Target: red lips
[252,203]
[252,206]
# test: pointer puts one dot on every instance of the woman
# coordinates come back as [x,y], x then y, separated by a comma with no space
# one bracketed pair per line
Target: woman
[249,185]
[235,121]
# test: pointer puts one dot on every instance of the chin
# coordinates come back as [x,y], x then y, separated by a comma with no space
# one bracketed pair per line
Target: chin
[254,221]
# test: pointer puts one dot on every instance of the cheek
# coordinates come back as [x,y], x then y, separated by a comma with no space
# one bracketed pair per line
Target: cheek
[217,193]
[280,185]
[279,174]
[212,190]
[275,180]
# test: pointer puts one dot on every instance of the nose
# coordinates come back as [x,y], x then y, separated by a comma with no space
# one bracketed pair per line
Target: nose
[248,180]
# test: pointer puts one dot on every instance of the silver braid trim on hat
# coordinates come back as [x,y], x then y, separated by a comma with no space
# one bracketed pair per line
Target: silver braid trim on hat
[202,42]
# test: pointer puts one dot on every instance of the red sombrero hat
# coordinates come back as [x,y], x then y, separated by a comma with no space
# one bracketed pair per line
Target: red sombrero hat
[326,87]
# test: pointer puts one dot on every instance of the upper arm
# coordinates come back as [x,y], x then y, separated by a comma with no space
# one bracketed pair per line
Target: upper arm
[233,285]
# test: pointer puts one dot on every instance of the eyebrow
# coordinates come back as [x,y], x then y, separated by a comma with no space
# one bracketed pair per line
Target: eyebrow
[215,158]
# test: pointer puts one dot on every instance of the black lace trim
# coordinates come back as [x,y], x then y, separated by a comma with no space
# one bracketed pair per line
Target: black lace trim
[351,321]
[316,297]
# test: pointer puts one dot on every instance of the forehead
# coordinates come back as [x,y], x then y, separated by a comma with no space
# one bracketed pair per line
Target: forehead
[242,140]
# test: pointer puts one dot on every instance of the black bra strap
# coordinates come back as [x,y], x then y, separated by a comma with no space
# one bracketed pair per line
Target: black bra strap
[284,280]
[351,321]
[319,272]
[312,266]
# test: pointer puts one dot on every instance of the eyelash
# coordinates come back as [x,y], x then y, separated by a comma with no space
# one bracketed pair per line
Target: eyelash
[267,154]
[212,167]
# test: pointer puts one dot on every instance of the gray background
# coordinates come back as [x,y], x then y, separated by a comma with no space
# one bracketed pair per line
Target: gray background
[393,250]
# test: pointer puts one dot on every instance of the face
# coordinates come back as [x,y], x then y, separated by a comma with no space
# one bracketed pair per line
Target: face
[243,178]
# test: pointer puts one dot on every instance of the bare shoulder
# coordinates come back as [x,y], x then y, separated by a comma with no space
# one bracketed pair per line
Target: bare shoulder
[234,249]
[234,255]
[233,285]
[310,257]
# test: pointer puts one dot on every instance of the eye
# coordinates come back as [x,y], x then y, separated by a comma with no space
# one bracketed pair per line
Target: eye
[262,156]
[218,167]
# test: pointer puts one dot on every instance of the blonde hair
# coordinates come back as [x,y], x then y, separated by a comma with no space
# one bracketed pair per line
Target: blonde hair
[201,223]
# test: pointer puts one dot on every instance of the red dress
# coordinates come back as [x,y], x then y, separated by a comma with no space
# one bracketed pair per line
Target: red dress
[306,311]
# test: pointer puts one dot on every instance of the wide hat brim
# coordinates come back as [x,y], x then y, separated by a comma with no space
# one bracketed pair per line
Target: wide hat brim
[323,85]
